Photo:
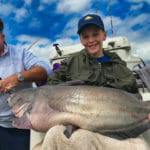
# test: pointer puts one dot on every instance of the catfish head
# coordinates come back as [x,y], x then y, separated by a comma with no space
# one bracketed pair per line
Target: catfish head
[21,101]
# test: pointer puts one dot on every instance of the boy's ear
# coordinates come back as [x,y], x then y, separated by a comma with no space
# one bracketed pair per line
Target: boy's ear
[105,35]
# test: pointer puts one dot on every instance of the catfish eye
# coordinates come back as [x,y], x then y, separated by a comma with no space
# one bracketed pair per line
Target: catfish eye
[17,100]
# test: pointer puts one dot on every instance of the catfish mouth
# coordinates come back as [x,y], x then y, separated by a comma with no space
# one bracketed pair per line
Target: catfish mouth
[19,111]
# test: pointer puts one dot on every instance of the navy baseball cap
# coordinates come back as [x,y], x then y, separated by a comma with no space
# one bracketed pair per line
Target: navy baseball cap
[90,19]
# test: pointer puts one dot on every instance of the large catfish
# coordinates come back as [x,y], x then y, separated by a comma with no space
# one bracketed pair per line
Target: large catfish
[99,109]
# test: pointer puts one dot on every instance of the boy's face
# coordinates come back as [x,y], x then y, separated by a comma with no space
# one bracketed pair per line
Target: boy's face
[92,38]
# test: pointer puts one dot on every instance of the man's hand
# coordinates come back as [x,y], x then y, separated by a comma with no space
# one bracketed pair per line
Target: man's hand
[6,84]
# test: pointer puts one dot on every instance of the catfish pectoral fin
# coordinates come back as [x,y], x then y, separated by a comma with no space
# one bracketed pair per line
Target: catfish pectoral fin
[22,123]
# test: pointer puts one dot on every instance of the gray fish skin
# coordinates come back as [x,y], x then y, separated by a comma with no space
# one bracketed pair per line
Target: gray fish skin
[98,109]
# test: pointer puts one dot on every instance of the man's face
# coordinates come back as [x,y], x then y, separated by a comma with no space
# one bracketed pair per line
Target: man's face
[92,38]
[2,36]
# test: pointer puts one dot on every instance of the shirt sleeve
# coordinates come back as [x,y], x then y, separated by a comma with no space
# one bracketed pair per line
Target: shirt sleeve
[31,60]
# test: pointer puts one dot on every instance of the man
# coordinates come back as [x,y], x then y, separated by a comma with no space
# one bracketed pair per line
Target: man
[18,69]
[93,65]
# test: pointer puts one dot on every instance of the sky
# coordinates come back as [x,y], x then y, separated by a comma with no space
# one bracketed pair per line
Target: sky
[41,23]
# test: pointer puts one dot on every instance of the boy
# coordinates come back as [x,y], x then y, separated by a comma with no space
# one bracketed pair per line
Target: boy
[93,65]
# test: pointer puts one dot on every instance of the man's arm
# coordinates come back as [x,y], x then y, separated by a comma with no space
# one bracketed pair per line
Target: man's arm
[36,74]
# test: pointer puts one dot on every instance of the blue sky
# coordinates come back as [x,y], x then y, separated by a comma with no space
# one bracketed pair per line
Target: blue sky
[51,21]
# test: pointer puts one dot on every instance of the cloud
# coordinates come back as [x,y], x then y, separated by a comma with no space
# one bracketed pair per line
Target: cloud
[41,7]
[139,1]
[73,6]
[66,42]
[142,48]
[8,9]
[38,46]
[139,38]
[43,47]
[45,3]
[116,22]
[111,2]
[27,2]
[20,14]
[48,1]
[27,38]
[42,52]
[35,23]
[70,28]
[136,7]
[140,20]
[126,26]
